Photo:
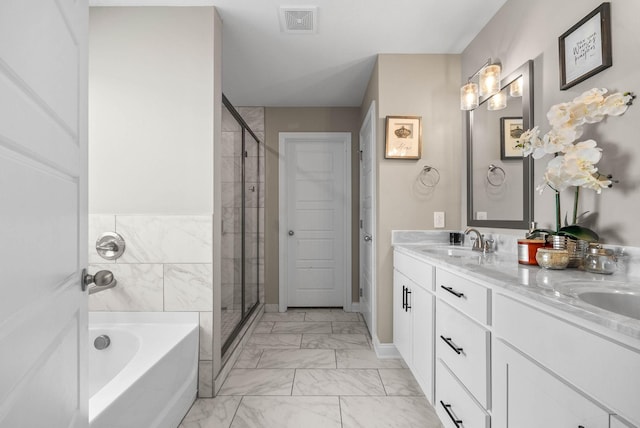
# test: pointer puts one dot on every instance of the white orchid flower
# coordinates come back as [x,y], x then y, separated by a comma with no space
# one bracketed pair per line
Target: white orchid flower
[559,140]
[530,141]
[556,175]
[616,104]
[559,115]
[592,96]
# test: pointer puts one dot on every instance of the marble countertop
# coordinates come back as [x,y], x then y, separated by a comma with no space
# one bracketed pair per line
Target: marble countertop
[551,288]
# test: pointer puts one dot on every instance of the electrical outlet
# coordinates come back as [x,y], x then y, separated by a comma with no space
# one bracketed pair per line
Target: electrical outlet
[438,219]
[481,215]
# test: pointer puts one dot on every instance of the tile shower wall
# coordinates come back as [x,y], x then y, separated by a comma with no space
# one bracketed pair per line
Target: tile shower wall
[167,266]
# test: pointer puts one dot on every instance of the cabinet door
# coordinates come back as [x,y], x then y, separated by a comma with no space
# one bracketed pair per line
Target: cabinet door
[402,331]
[527,396]
[423,317]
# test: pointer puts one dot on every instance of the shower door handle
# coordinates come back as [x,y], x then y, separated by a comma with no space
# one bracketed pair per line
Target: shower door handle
[291,233]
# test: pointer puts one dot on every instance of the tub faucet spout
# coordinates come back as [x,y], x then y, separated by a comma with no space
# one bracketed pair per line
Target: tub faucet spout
[478,244]
[102,280]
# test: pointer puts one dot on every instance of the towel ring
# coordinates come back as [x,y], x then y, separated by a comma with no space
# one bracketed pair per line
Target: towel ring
[429,172]
[498,172]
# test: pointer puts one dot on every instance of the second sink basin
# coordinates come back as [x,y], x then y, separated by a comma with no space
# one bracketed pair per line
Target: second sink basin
[625,303]
[617,297]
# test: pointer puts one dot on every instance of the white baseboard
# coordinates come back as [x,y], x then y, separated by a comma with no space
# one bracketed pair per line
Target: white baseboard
[355,307]
[271,307]
[385,350]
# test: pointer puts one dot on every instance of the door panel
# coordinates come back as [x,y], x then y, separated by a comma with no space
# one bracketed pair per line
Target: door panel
[316,219]
[43,128]
[367,216]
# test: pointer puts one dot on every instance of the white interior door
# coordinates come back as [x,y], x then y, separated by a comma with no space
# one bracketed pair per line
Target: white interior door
[43,211]
[315,224]
[367,216]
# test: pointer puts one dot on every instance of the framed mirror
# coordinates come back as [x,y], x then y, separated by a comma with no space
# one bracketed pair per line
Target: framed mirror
[499,179]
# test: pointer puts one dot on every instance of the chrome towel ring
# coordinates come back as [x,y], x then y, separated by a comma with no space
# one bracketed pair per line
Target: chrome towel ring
[429,176]
[496,175]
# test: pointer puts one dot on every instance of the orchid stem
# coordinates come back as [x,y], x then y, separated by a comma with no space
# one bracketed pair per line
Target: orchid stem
[557,211]
[575,205]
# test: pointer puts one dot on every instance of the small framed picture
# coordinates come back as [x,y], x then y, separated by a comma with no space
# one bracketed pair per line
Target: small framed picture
[585,49]
[404,137]
[510,132]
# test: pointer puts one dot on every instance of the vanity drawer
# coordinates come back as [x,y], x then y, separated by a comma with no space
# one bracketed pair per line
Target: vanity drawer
[471,298]
[604,369]
[418,271]
[453,402]
[464,346]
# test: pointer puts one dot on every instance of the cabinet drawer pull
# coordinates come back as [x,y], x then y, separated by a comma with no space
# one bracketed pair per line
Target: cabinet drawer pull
[457,422]
[404,298]
[448,341]
[452,291]
[408,305]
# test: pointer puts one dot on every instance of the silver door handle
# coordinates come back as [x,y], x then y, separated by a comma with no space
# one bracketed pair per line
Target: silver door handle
[367,238]
[291,233]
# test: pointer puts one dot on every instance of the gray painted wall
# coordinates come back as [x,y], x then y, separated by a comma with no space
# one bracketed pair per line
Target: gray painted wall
[414,85]
[524,30]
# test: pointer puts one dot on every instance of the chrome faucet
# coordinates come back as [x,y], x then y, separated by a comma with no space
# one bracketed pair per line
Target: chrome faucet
[478,244]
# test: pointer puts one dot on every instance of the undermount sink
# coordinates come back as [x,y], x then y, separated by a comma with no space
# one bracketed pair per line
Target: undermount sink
[617,297]
[621,302]
[454,252]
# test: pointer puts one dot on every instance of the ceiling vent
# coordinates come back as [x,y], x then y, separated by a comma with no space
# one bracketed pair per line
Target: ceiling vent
[299,20]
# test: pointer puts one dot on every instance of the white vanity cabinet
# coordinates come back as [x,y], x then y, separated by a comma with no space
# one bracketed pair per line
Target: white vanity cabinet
[549,371]
[413,317]
[462,351]
[528,396]
[490,354]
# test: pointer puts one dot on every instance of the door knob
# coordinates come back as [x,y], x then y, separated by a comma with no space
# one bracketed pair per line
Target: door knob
[291,233]
[367,238]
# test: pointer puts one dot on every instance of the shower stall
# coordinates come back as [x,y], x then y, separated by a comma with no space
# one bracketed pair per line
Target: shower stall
[242,207]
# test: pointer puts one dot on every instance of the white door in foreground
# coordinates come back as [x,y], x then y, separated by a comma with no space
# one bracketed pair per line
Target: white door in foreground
[43,213]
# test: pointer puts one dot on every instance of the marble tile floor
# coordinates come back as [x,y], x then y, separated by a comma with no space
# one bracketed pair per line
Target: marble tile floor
[309,368]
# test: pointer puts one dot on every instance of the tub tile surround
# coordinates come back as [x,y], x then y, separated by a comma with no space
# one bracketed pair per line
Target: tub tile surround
[167,266]
[139,288]
[501,269]
[188,287]
[280,383]
[165,239]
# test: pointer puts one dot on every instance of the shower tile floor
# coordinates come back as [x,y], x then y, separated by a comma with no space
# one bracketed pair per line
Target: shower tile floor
[314,368]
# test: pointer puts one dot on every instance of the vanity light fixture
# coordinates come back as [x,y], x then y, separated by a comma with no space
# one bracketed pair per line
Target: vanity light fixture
[498,101]
[490,79]
[515,88]
[469,96]
[488,84]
